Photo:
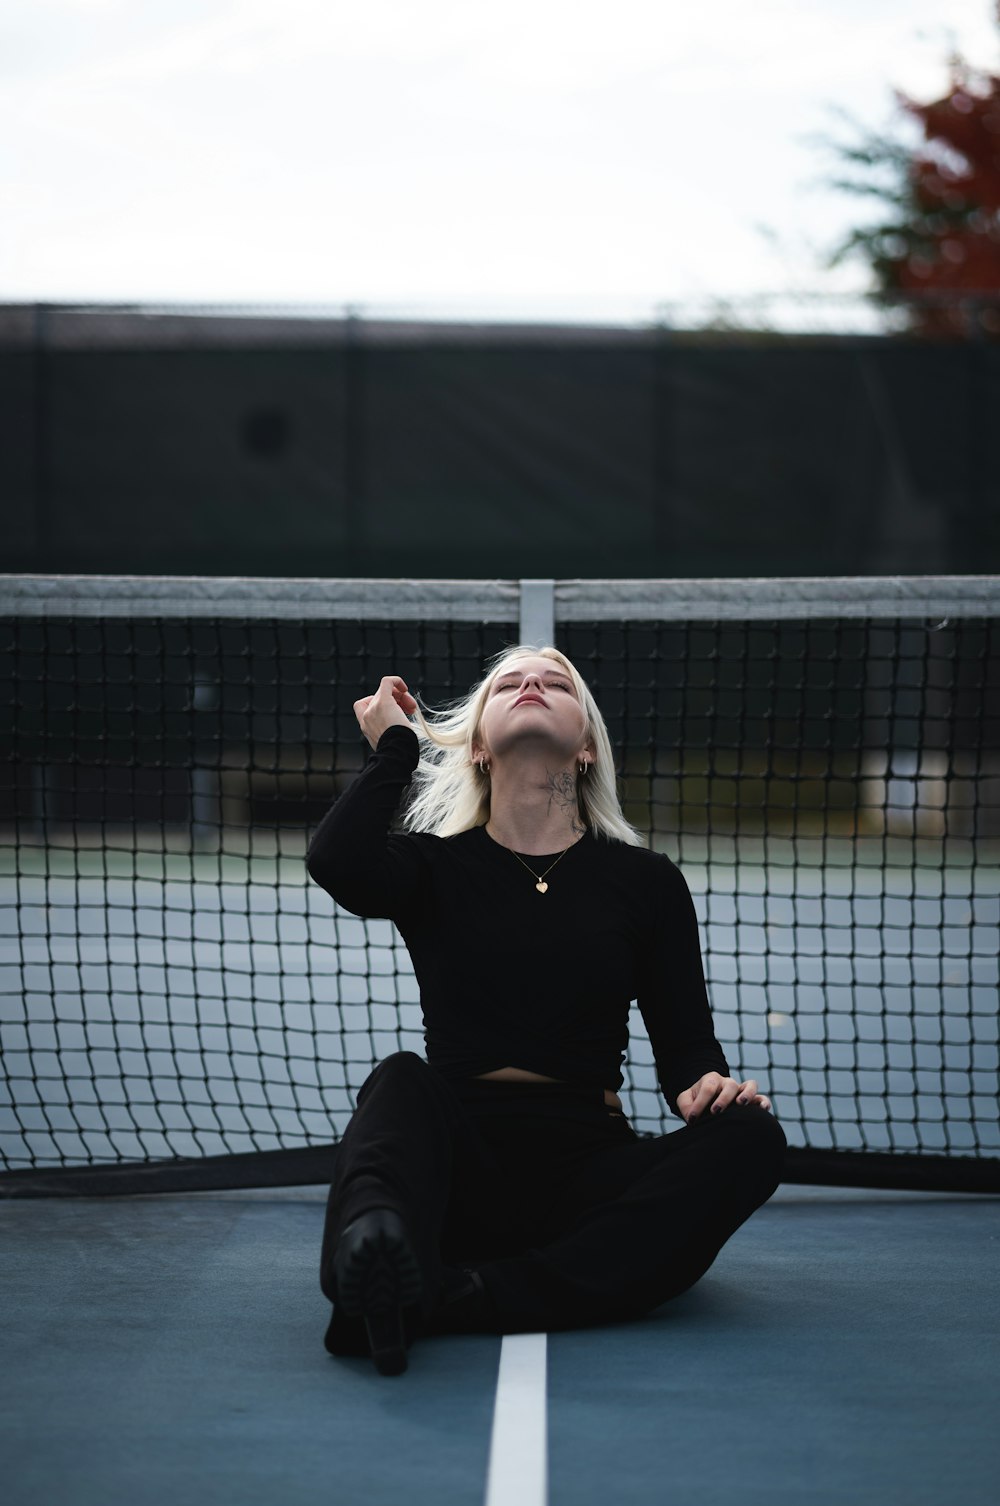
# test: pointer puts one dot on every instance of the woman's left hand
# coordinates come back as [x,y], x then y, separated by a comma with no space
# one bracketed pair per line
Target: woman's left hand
[713,1093]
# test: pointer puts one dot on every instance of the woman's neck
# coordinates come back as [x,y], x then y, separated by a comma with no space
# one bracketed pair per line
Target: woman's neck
[533,807]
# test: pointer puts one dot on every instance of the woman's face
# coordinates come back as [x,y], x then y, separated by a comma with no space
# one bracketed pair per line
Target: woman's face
[533,701]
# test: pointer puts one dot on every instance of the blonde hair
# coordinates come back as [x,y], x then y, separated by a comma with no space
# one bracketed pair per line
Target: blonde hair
[452,794]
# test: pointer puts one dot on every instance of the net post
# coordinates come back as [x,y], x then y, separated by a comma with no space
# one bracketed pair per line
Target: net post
[206,808]
[538,612]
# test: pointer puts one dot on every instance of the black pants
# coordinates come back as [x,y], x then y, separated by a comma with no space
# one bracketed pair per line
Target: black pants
[570,1217]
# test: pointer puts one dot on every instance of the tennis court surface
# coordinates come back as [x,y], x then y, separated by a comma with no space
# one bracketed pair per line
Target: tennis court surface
[845,1347]
[185,1021]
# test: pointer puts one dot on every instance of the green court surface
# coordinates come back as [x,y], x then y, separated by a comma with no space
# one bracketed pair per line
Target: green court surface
[845,1347]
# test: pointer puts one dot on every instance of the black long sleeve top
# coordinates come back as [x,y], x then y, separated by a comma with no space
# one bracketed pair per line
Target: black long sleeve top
[510,977]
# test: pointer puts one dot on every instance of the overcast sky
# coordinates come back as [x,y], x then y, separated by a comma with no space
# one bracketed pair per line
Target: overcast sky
[539,156]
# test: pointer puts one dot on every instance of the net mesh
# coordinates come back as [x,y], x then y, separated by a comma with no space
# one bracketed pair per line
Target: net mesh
[831,792]
[172,984]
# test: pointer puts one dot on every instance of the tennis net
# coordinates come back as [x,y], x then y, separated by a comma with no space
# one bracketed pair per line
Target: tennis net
[181,1007]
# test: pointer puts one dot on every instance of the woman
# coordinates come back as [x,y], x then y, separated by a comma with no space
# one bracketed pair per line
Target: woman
[498,1186]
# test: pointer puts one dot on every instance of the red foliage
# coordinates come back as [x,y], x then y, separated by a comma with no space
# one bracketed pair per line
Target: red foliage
[954,246]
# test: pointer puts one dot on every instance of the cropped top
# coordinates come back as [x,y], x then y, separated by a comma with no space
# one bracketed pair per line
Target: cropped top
[510,977]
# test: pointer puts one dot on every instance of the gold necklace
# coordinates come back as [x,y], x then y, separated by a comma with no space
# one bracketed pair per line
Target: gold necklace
[540,885]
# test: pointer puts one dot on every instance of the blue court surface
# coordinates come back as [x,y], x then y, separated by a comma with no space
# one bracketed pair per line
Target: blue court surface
[844,1348]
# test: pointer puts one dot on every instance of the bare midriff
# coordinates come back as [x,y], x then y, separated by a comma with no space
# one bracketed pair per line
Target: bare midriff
[520,1074]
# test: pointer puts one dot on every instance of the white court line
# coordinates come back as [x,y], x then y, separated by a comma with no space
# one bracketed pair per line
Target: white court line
[518,1468]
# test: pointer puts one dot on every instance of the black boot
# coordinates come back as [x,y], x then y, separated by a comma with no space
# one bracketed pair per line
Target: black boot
[377,1274]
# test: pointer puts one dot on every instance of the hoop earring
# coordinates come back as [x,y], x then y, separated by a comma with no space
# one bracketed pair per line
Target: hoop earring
[584,767]
[483,769]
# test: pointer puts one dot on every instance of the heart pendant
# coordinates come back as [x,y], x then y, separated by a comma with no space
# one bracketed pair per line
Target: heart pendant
[541,887]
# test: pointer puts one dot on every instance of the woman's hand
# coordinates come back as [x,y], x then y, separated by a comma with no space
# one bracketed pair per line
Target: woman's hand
[713,1093]
[388,707]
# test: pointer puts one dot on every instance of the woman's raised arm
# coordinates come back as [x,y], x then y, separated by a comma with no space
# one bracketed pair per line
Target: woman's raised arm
[353,854]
